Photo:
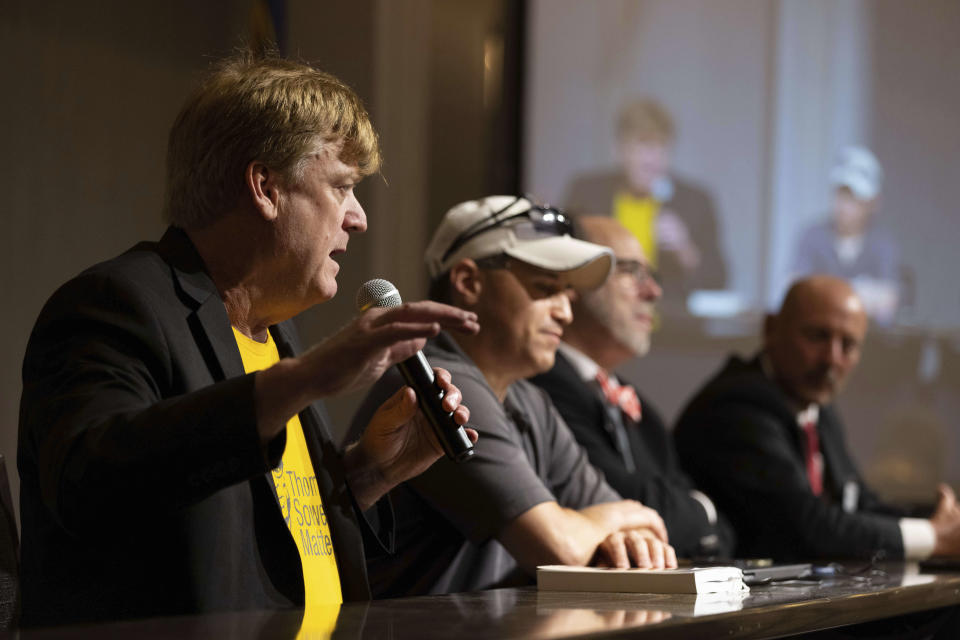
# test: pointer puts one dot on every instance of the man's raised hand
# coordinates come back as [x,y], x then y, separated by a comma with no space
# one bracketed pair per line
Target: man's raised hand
[358,354]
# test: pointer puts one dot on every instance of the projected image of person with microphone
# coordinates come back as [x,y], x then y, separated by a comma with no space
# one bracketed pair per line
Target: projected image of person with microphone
[528,496]
[173,452]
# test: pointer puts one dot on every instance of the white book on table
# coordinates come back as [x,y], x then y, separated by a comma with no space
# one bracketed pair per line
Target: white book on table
[686,580]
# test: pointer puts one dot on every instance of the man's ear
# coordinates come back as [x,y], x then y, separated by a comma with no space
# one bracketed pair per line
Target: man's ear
[263,186]
[466,282]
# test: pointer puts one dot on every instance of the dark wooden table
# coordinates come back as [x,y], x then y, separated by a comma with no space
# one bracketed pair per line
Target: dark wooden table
[775,610]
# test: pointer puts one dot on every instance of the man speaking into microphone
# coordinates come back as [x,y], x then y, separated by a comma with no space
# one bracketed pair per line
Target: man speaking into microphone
[173,454]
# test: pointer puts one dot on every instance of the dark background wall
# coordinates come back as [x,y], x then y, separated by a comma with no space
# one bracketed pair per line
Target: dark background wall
[90,90]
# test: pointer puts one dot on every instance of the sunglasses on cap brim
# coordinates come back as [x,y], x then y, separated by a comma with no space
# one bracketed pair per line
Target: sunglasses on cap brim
[541,221]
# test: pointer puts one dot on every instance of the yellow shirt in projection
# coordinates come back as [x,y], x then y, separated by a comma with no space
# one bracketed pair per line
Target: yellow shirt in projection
[300,503]
[639,216]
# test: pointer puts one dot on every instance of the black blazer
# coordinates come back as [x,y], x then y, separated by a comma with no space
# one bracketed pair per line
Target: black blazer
[144,488]
[738,439]
[657,480]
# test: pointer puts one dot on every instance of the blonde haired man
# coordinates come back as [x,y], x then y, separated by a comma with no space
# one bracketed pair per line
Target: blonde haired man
[173,454]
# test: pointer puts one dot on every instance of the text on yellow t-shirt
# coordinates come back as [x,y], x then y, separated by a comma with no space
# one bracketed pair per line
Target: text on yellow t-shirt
[296,485]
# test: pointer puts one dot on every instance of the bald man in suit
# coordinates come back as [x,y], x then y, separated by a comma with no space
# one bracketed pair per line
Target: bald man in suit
[764,438]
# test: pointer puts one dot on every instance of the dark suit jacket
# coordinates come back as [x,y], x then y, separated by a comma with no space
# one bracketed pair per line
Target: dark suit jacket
[657,480]
[593,193]
[738,439]
[144,488]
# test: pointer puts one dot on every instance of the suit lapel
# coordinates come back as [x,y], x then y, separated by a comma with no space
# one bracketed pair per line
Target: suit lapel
[208,320]
[615,424]
[566,372]
[774,399]
[212,320]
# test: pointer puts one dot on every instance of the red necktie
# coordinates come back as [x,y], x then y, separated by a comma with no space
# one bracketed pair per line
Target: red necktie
[620,395]
[812,456]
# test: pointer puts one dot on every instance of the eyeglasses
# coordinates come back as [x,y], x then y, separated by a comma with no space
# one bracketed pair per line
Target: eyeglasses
[541,221]
[640,271]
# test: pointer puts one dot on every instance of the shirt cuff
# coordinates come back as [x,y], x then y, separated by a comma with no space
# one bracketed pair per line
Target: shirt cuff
[707,505]
[919,538]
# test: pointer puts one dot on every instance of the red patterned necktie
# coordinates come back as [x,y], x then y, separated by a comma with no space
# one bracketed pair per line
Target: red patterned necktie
[812,456]
[619,395]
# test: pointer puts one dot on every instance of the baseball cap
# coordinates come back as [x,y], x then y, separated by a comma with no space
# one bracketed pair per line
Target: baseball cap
[859,171]
[515,226]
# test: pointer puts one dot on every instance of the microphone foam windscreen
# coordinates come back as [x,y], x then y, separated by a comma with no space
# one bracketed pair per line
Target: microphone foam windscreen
[377,293]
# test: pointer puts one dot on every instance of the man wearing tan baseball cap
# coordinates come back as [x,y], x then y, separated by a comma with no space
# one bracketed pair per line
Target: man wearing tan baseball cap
[530,496]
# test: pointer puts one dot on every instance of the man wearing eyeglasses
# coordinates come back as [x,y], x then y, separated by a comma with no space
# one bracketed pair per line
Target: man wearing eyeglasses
[623,435]
[529,496]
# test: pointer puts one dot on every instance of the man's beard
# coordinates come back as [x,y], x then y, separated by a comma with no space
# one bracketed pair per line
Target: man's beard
[637,342]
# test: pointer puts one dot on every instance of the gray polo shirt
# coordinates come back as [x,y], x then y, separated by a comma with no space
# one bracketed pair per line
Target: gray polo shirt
[449,516]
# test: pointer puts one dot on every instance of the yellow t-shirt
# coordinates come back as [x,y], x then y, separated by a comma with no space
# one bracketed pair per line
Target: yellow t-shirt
[639,216]
[296,486]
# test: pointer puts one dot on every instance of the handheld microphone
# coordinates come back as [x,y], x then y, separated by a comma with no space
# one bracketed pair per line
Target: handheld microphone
[418,373]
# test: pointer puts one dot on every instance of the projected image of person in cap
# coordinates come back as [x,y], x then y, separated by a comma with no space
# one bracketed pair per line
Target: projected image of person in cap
[849,243]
